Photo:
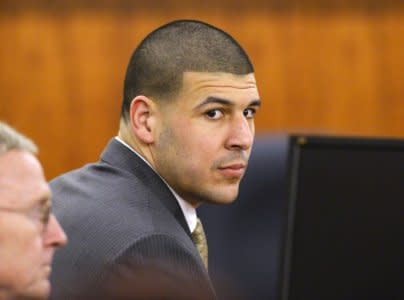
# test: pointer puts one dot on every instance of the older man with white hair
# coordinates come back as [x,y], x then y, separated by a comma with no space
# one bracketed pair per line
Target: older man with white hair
[29,232]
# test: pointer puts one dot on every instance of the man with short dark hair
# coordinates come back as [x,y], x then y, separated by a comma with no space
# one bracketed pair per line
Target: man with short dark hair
[186,131]
[29,233]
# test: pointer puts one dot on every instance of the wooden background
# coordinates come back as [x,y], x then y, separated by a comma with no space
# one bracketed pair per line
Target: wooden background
[333,67]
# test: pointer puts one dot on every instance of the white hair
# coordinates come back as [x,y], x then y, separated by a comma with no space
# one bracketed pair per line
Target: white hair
[10,139]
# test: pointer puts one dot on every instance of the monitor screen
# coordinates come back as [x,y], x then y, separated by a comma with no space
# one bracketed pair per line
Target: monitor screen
[345,220]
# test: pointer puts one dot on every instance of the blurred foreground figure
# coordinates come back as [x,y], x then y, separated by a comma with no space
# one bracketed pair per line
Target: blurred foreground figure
[185,136]
[29,233]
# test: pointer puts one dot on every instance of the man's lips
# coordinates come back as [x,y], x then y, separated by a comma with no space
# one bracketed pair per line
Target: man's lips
[233,170]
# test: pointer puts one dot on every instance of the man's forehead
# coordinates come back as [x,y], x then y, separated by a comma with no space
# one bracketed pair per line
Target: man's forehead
[219,79]
[19,163]
[197,86]
[22,179]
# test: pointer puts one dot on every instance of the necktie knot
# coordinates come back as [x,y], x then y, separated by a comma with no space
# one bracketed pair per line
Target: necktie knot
[199,238]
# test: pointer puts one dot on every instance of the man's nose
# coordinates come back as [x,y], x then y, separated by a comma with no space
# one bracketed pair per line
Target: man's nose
[54,235]
[241,135]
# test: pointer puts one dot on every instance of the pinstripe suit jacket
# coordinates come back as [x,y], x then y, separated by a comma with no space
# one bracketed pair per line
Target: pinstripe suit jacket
[118,212]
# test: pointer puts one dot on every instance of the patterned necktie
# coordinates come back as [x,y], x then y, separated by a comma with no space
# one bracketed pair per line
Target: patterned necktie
[199,238]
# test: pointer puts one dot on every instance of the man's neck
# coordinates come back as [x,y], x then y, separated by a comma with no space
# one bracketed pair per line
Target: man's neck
[143,150]
[186,207]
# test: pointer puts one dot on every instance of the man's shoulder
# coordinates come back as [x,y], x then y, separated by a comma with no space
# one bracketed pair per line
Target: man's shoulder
[96,181]
[105,204]
[90,173]
[100,191]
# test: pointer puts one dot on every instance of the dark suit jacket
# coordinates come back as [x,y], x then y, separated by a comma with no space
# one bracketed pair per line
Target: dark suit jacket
[121,218]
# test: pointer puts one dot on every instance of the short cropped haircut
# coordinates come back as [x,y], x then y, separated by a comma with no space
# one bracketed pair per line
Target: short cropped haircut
[10,140]
[157,65]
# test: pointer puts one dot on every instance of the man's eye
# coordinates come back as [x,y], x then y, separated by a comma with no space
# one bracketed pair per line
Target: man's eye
[45,214]
[249,113]
[214,114]
[42,214]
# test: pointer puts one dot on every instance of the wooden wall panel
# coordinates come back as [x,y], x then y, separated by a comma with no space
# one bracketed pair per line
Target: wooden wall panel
[62,71]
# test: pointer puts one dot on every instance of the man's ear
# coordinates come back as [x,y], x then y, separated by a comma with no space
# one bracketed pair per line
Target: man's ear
[141,118]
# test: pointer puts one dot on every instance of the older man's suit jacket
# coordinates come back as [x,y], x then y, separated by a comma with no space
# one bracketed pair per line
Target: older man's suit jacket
[121,218]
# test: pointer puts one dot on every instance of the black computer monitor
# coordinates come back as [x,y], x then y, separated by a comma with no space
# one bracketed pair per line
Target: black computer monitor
[345,220]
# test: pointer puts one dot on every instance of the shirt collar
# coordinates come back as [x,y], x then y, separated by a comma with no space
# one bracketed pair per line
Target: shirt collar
[187,209]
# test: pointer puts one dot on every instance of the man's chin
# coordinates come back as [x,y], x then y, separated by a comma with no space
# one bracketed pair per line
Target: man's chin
[38,291]
[214,194]
[223,197]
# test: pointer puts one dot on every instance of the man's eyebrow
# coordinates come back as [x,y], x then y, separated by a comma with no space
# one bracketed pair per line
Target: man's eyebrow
[225,102]
[255,103]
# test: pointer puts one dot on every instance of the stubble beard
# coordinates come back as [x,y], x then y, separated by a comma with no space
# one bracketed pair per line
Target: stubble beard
[186,186]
